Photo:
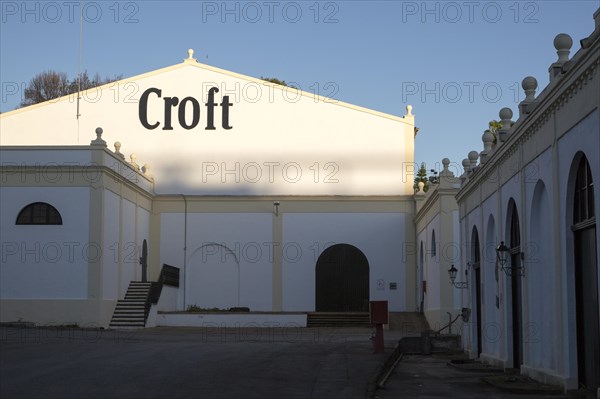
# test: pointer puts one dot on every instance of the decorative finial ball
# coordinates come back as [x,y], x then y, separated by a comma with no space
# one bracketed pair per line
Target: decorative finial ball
[466,163]
[506,113]
[117,145]
[445,162]
[421,185]
[99,131]
[473,155]
[133,157]
[562,41]
[487,137]
[529,83]
[190,53]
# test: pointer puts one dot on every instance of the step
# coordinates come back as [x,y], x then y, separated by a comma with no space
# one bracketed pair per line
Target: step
[130,313]
[334,319]
[136,325]
[128,317]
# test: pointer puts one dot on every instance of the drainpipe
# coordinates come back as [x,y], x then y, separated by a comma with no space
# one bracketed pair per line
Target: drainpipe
[184,250]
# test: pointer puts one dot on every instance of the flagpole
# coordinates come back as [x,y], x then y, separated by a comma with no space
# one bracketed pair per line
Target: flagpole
[79,64]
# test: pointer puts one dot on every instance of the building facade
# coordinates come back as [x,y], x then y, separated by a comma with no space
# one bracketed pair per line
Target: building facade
[527,221]
[438,250]
[262,196]
[278,200]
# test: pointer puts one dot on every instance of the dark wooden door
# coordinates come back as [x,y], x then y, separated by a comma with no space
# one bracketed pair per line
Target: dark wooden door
[588,330]
[478,304]
[516,288]
[342,280]
[517,311]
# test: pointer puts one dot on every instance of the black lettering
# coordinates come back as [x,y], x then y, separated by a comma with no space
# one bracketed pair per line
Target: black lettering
[225,118]
[143,108]
[210,108]
[195,113]
[169,102]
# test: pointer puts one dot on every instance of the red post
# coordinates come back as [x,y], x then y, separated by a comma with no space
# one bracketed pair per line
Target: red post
[379,317]
[378,344]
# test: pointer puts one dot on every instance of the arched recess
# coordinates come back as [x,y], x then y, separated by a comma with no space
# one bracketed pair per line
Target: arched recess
[489,254]
[213,279]
[585,269]
[516,304]
[475,261]
[491,290]
[422,288]
[540,268]
[342,280]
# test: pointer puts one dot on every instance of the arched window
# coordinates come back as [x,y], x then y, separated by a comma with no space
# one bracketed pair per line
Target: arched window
[583,209]
[433,244]
[586,277]
[475,254]
[39,213]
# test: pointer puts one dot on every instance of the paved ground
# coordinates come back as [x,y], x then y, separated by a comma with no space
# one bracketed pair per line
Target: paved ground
[186,363]
[428,377]
[232,363]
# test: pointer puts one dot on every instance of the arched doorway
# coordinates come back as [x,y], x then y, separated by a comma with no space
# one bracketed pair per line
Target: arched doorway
[342,280]
[586,277]
[476,264]
[515,284]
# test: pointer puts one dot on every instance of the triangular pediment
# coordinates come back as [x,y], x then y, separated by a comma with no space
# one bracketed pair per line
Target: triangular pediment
[206,130]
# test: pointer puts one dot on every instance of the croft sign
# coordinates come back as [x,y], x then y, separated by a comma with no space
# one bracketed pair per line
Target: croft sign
[172,104]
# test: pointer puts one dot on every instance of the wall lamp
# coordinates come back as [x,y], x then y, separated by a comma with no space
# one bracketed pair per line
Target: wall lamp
[276,207]
[452,273]
[502,255]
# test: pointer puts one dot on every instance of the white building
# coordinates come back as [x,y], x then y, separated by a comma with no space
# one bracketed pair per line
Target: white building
[438,249]
[283,201]
[534,193]
[263,196]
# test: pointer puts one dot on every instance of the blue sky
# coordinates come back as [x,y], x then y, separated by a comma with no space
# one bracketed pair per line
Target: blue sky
[456,62]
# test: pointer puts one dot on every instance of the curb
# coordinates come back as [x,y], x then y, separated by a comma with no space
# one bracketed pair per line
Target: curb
[383,371]
[474,367]
[522,385]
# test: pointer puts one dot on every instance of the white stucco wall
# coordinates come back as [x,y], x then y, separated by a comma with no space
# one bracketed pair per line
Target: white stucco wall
[126,225]
[111,259]
[379,236]
[222,250]
[45,262]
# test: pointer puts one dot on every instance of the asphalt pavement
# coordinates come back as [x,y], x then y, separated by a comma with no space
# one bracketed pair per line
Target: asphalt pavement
[231,363]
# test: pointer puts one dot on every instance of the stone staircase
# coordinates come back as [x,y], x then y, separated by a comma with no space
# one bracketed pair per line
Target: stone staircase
[132,311]
[334,319]
[410,323]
